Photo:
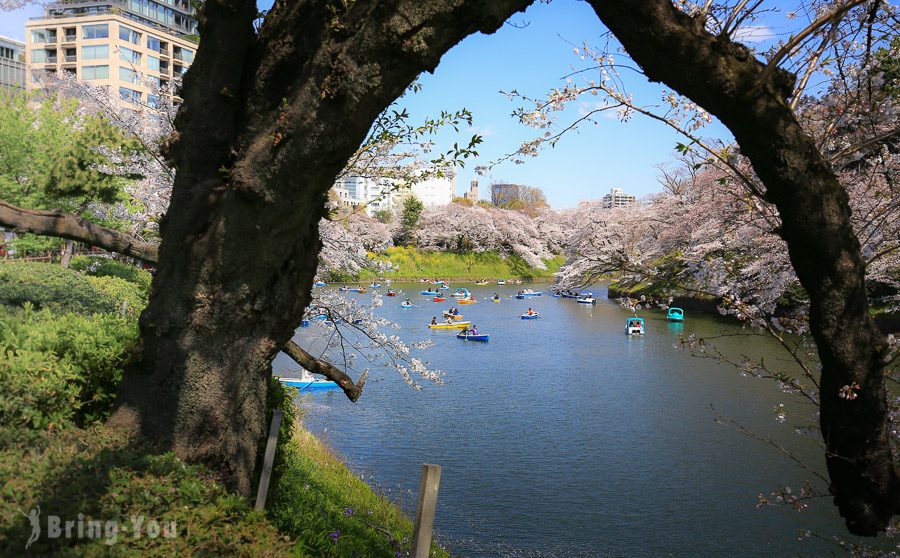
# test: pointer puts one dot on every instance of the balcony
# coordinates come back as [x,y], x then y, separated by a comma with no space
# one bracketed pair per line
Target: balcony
[68,39]
[70,59]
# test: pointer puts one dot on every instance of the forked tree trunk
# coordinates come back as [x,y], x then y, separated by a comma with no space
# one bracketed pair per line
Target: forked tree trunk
[266,125]
[727,80]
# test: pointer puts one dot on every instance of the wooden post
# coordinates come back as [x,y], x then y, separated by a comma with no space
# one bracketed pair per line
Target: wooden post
[267,461]
[428,491]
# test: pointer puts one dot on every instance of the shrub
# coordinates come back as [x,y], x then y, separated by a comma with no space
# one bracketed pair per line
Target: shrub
[60,370]
[99,266]
[65,290]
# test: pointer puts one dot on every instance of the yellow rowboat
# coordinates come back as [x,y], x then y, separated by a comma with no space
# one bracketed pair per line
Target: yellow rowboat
[466,301]
[457,325]
[453,316]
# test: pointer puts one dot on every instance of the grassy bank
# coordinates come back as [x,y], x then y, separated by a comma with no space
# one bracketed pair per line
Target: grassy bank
[412,264]
[65,339]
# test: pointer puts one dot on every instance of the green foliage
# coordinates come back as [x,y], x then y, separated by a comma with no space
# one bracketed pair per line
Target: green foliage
[412,264]
[384,216]
[412,210]
[60,369]
[35,244]
[98,474]
[98,266]
[66,290]
[888,63]
[53,157]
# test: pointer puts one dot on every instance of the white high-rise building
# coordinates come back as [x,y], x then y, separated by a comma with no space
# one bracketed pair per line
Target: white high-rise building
[617,198]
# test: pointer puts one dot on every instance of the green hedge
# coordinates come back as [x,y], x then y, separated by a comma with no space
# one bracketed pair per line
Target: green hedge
[66,290]
[59,370]
[98,266]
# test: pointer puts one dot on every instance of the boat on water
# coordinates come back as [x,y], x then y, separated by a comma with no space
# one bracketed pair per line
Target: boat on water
[528,293]
[634,326]
[572,294]
[587,299]
[429,293]
[462,293]
[447,314]
[305,323]
[473,337]
[307,382]
[469,300]
[343,289]
[405,305]
[320,284]
[495,299]
[532,316]
[444,287]
[439,299]
[391,293]
[357,289]
[455,325]
[482,283]
[375,285]
[675,314]
[501,282]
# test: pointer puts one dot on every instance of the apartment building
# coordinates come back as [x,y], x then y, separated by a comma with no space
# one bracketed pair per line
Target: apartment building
[12,65]
[135,47]
[617,198]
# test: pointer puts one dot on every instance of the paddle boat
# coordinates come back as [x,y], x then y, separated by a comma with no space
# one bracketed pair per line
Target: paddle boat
[439,299]
[444,287]
[501,282]
[320,284]
[634,326]
[495,298]
[528,293]
[462,293]
[307,382]
[429,292]
[472,337]
[375,285]
[454,325]
[405,305]
[531,316]
[391,293]
[482,283]
[675,314]
[587,299]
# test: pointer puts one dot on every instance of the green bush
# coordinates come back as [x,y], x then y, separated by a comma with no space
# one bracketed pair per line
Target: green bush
[59,370]
[98,266]
[65,290]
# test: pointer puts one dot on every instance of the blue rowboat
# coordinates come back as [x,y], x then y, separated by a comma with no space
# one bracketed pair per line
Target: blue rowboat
[530,316]
[675,314]
[320,284]
[307,384]
[406,306]
[529,294]
[470,337]
[429,293]
[375,285]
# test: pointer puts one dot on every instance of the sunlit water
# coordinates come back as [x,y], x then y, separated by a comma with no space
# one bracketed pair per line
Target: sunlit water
[564,437]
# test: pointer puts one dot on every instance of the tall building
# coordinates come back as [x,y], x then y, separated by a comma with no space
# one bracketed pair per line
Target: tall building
[12,65]
[134,47]
[472,194]
[617,198]
[354,191]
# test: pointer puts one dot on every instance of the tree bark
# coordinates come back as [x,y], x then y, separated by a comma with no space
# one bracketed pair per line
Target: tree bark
[318,366]
[66,257]
[70,227]
[725,79]
[268,121]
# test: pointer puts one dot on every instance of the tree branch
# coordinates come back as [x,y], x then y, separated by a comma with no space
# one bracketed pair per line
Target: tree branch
[330,371]
[72,227]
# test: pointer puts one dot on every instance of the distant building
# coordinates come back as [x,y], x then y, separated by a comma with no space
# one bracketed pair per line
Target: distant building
[132,47]
[617,198]
[472,194]
[356,191]
[502,193]
[12,65]
[432,192]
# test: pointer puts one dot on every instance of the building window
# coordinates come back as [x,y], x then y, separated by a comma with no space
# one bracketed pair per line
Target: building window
[153,43]
[43,35]
[153,63]
[95,72]
[128,75]
[130,95]
[129,35]
[39,56]
[153,101]
[128,55]
[95,52]
[95,31]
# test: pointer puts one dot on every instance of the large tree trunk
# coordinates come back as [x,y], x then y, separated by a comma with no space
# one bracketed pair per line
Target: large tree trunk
[726,80]
[268,121]
[66,256]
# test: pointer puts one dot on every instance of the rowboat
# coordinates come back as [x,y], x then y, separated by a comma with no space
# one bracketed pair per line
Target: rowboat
[320,284]
[527,316]
[675,314]
[404,305]
[375,285]
[470,337]
[391,293]
[439,299]
[480,283]
[429,293]
[501,282]
[495,300]
[528,293]
[456,325]
[467,301]
[634,326]
[587,300]
[357,289]
[572,294]
[306,382]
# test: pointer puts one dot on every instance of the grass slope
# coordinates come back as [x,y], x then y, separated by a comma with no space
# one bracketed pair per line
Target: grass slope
[413,264]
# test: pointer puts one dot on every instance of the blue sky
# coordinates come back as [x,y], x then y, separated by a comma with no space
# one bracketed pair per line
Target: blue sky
[532,55]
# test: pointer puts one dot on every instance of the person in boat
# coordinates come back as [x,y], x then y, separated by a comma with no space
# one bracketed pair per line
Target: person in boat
[434,320]
[530,312]
[474,330]
[449,320]
[454,311]
[495,297]
[407,301]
